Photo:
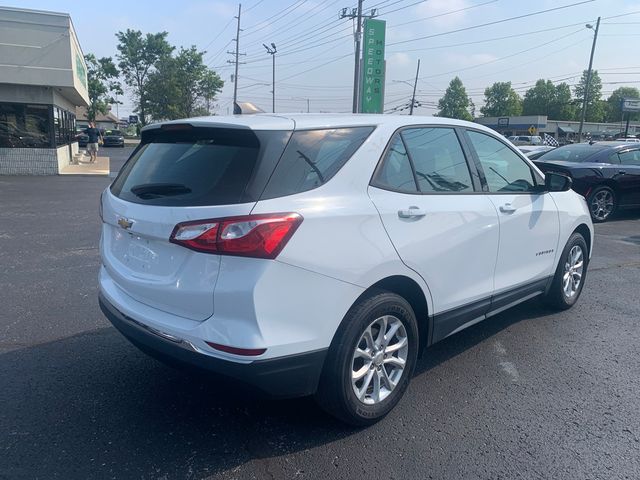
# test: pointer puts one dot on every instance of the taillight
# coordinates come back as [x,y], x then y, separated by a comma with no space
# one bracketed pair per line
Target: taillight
[260,236]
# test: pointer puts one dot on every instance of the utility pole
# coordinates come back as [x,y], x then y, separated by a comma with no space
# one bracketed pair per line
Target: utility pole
[272,51]
[586,90]
[415,84]
[356,13]
[307,105]
[236,61]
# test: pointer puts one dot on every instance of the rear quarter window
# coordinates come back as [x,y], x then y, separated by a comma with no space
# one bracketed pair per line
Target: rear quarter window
[312,158]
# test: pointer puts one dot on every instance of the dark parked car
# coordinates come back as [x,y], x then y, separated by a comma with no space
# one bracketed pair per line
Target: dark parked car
[607,174]
[113,138]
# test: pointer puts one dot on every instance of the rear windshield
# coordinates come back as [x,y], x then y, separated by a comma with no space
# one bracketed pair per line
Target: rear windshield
[199,166]
[312,157]
[573,153]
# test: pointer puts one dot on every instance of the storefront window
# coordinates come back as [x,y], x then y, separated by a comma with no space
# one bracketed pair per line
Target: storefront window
[24,125]
[65,126]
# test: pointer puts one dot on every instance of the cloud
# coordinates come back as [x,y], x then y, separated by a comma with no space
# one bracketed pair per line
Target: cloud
[464,60]
[398,59]
[433,8]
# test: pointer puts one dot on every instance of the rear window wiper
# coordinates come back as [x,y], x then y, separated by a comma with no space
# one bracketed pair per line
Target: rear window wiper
[154,190]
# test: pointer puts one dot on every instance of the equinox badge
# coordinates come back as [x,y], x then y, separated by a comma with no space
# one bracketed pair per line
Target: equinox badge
[125,223]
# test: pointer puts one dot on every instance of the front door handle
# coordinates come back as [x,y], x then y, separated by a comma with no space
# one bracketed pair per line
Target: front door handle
[507,208]
[412,212]
[622,172]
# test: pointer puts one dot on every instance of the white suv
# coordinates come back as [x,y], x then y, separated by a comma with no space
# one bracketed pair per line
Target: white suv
[317,254]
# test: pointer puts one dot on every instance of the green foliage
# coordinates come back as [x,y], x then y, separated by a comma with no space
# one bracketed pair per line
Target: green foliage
[181,86]
[614,104]
[551,100]
[564,107]
[500,100]
[595,106]
[102,82]
[455,103]
[138,56]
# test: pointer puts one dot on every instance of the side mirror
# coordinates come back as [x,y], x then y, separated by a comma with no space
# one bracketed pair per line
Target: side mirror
[557,182]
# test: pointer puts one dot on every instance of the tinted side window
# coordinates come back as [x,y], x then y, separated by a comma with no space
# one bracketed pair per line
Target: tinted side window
[395,172]
[504,170]
[613,158]
[438,159]
[632,157]
[312,157]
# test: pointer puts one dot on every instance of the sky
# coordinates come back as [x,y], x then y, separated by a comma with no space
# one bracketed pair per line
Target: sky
[315,49]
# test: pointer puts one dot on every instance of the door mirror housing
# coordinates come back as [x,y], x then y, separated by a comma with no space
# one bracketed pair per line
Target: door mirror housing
[557,182]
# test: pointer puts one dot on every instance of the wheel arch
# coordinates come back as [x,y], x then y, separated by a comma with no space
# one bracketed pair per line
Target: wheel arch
[583,230]
[412,292]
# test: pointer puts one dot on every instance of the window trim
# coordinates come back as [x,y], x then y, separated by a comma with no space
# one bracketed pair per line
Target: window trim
[473,173]
[627,150]
[536,175]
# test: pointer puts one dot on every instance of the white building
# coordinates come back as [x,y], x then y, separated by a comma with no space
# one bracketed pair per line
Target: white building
[43,78]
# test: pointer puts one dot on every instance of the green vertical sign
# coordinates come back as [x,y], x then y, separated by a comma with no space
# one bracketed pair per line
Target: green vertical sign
[372,86]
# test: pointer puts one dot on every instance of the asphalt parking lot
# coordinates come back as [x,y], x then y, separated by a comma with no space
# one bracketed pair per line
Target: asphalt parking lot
[526,394]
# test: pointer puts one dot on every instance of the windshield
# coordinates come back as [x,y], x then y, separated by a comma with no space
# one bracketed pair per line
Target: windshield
[113,132]
[580,152]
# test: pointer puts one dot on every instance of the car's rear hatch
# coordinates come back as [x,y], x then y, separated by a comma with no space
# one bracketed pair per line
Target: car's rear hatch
[181,173]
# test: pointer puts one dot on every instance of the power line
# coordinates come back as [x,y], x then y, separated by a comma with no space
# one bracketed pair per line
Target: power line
[495,22]
[442,14]
[505,57]
[267,21]
[437,47]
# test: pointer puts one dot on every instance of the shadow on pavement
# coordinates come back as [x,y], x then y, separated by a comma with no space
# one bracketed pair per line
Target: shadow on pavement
[93,406]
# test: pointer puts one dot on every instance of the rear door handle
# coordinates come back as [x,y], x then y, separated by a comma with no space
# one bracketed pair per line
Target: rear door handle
[622,172]
[412,212]
[507,208]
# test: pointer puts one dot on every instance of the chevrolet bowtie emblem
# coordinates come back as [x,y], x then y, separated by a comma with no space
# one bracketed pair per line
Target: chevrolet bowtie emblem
[125,223]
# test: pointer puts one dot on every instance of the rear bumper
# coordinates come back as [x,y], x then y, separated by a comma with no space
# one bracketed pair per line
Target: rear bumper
[283,377]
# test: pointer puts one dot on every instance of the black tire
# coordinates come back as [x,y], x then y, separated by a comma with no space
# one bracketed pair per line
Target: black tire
[600,208]
[336,393]
[556,297]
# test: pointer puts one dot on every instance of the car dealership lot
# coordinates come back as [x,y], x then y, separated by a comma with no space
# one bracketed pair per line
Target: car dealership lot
[526,394]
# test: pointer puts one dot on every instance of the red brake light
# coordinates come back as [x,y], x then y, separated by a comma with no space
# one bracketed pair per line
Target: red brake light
[259,236]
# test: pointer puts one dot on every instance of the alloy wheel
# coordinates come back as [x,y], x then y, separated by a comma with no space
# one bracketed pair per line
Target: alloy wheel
[573,269]
[602,204]
[379,359]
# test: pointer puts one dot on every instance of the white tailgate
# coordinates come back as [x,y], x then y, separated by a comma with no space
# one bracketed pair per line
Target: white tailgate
[146,266]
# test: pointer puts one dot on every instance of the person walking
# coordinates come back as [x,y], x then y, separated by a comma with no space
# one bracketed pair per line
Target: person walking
[92,144]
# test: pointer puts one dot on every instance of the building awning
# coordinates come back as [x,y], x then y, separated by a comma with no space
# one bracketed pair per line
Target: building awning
[566,130]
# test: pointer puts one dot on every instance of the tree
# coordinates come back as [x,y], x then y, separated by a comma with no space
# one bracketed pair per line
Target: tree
[210,85]
[614,103]
[563,107]
[548,99]
[500,100]
[102,80]
[455,103]
[182,86]
[539,99]
[138,56]
[595,106]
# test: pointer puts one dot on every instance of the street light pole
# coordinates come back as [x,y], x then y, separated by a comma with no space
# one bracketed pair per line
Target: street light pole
[415,84]
[585,98]
[272,51]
